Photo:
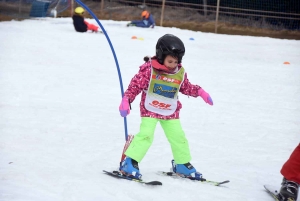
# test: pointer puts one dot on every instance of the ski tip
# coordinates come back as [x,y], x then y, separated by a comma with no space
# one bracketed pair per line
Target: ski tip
[270,188]
[223,182]
[272,191]
[154,183]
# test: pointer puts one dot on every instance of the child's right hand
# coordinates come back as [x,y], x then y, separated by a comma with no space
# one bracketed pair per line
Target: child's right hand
[124,107]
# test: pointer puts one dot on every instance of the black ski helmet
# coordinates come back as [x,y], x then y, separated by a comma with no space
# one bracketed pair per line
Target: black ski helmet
[169,45]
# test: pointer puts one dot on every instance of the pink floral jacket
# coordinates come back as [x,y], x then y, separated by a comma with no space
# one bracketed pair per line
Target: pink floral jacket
[140,82]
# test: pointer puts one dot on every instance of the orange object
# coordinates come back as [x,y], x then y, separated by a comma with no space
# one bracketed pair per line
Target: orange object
[286,62]
[91,26]
[145,14]
[133,37]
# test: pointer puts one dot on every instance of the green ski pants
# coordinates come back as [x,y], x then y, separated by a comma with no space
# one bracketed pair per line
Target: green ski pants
[174,133]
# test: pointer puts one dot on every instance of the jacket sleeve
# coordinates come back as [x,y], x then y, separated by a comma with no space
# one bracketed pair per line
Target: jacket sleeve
[139,82]
[151,20]
[189,89]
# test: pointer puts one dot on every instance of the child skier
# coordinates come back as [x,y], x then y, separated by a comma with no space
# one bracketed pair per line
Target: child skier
[146,22]
[291,177]
[160,79]
[80,24]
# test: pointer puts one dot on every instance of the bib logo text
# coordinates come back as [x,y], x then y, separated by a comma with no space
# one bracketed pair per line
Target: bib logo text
[160,105]
[164,90]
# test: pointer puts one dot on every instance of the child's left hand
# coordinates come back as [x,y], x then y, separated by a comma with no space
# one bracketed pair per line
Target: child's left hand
[205,96]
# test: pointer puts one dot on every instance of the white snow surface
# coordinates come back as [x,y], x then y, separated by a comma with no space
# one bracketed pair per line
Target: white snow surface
[60,125]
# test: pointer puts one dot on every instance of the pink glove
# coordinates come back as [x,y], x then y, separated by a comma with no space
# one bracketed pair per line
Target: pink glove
[124,107]
[205,96]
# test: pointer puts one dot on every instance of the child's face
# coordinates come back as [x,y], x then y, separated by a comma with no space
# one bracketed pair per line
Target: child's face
[171,62]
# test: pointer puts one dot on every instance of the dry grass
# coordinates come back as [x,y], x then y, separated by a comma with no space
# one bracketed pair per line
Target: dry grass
[6,18]
[223,28]
[205,25]
[231,29]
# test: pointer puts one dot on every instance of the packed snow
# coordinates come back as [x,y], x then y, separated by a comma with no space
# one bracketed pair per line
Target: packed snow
[60,125]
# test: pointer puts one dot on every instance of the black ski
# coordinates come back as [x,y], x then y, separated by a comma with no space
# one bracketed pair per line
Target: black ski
[174,175]
[272,192]
[119,175]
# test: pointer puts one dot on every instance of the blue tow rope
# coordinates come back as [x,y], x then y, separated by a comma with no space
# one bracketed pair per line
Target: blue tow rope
[115,57]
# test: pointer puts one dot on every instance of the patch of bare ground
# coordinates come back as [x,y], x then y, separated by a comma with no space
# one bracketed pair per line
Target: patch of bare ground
[185,22]
[232,29]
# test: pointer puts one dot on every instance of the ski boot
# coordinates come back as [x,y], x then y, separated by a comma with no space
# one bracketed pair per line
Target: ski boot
[288,191]
[130,168]
[130,25]
[187,171]
[93,31]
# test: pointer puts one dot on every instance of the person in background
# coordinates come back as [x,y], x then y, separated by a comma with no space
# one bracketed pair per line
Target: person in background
[291,177]
[146,22]
[80,24]
[160,79]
